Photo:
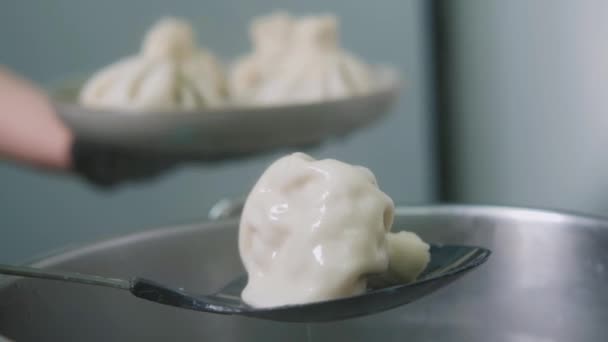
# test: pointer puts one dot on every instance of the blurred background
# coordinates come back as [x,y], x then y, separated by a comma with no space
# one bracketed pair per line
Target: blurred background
[524,110]
[504,103]
[47,41]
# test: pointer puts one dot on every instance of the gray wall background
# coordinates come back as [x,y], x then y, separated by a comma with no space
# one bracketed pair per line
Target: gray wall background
[529,103]
[48,40]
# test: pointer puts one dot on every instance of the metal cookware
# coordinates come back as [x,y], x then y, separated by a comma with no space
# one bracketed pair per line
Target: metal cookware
[545,281]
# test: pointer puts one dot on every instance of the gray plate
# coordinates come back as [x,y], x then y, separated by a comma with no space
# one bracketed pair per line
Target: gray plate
[546,281]
[234,130]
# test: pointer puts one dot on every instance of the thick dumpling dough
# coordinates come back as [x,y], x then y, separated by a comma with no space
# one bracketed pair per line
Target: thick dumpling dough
[312,230]
[170,73]
[408,255]
[306,64]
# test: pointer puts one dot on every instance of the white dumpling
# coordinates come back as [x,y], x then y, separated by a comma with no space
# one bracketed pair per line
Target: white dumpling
[170,73]
[312,230]
[270,37]
[310,67]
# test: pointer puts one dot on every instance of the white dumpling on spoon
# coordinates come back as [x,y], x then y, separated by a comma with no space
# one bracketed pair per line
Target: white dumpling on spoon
[310,230]
[170,73]
[314,230]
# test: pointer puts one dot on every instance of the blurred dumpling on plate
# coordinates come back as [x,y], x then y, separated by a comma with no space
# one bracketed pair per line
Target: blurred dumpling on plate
[170,73]
[270,36]
[311,66]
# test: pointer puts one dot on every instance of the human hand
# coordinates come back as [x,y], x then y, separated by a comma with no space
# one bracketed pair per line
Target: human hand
[31,133]
[108,166]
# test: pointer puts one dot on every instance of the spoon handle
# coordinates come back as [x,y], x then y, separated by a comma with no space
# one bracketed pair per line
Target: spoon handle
[71,277]
[140,287]
[158,293]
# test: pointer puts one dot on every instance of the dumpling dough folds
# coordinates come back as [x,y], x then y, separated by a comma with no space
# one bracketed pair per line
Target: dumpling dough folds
[170,73]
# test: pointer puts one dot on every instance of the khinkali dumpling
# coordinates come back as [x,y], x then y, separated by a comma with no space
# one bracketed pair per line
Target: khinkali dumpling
[312,230]
[307,65]
[270,36]
[170,73]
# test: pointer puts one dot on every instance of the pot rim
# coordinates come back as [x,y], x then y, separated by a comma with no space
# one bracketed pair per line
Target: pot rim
[529,214]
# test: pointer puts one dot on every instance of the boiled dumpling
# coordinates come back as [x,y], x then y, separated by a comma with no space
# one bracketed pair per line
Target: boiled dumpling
[312,230]
[270,37]
[170,73]
[309,66]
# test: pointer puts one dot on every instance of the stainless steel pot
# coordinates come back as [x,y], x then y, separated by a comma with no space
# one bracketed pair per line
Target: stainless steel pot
[546,281]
